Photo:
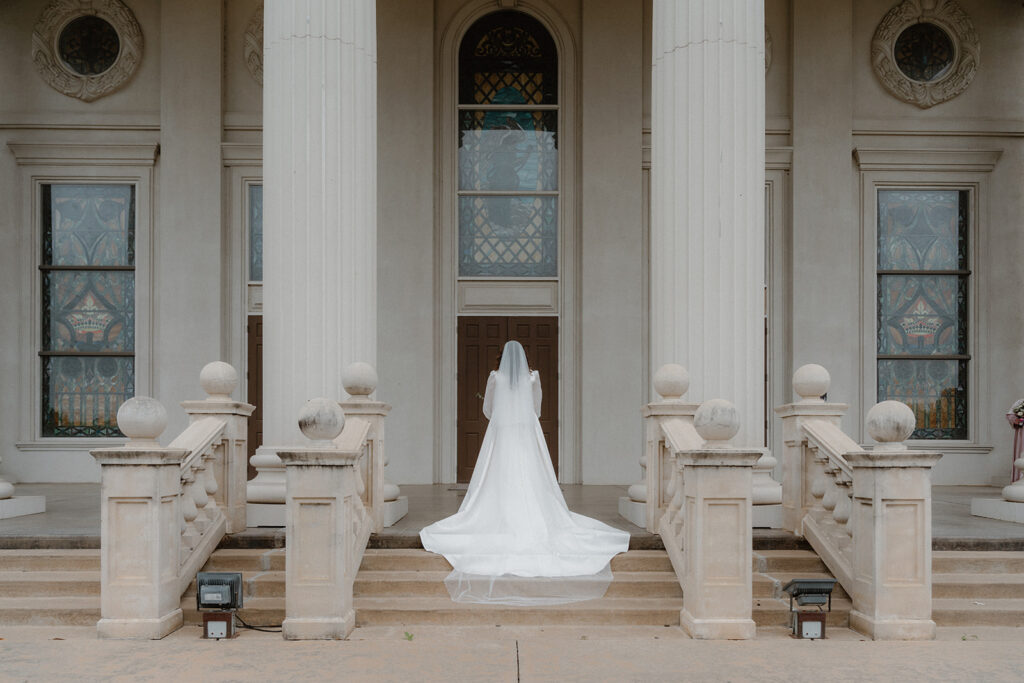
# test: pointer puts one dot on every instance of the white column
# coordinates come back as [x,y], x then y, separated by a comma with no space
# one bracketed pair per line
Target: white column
[707,203]
[320,211]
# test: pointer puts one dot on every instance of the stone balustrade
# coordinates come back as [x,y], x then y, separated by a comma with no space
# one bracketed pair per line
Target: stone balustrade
[266,492]
[706,528]
[328,521]
[866,513]
[165,509]
[647,501]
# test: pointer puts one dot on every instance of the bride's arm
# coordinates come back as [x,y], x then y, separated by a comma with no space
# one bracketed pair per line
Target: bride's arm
[535,381]
[489,395]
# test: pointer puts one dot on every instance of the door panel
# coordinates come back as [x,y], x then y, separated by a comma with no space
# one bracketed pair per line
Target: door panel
[254,385]
[480,340]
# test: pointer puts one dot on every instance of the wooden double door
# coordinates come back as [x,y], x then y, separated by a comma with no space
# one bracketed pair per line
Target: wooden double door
[480,341]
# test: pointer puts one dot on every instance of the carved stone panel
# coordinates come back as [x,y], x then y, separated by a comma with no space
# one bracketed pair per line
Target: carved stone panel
[253,45]
[925,52]
[86,48]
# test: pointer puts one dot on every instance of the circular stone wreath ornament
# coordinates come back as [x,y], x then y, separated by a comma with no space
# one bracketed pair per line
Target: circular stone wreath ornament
[925,52]
[86,48]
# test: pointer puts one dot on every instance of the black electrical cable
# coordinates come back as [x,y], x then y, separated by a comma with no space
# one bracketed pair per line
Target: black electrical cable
[267,628]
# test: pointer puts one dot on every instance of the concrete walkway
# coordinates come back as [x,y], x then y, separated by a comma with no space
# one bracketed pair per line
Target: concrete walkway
[490,654]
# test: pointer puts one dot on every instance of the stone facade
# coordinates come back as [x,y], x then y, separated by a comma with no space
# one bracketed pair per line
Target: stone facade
[186,129]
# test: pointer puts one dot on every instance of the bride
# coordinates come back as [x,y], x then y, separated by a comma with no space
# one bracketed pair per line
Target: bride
[514,521]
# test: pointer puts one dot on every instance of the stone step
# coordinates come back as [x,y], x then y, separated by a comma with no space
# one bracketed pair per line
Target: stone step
[431,583]
[45,583]
[421,560]
[770,585]
[49,560]
[50,611]
[383,611]
[246,560]
[775,612]
[977,562]
[790,561]
[966,613]
[978,586]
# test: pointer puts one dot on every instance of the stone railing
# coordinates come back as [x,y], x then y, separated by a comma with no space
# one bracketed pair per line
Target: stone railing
[706,525]
[266,492]
[329,521]
[165,509]
[866,513]
[672,418]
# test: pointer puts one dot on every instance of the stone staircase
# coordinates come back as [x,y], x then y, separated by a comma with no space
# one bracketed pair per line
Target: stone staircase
[405,587]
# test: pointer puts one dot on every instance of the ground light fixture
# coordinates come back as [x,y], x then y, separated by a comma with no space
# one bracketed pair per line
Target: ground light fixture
[218,595]
[809,593]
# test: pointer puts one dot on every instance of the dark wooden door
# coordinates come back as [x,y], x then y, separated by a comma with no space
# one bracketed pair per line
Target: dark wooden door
[254,384]
[480,340]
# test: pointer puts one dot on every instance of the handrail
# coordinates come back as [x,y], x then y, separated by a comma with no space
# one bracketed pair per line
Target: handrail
[165,514]
[850,503]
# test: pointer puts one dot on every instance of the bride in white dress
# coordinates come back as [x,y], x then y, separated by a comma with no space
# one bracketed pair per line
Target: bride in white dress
[514,521]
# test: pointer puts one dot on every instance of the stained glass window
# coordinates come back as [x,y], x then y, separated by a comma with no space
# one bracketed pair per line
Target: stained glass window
[922,307]
[924,52]
[89,45]
[508,148]
[88,307]
[255,233]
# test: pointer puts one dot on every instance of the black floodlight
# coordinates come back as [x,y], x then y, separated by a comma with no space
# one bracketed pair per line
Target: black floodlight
[219,590]
[812,593]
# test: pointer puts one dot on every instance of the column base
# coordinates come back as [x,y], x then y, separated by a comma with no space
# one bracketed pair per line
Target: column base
[633,511]
[717,629]
[139,629]
[766,516]
[19,506]
[892,629]
[265,514]
[993,508]
[394,510]
[333,628]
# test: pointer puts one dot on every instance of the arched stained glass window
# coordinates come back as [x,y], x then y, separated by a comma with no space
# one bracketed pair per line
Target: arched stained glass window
[508,148]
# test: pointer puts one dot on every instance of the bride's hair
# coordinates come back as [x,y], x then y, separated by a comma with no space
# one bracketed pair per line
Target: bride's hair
[497,360]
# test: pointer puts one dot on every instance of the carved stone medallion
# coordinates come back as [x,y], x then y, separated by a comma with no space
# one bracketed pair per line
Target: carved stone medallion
[86,48]
[254,45]
[925,52]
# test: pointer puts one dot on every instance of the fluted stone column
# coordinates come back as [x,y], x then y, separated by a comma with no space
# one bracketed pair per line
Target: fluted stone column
[707,203]
[320,199]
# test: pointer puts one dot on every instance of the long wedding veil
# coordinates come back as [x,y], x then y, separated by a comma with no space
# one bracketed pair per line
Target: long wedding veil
[514,434]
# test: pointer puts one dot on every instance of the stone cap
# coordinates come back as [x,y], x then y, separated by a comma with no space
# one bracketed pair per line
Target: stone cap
[816,409]
[319,457]
[365,407]
[670,409]
[218,408]
[888,459]
[720,457]
[132,456]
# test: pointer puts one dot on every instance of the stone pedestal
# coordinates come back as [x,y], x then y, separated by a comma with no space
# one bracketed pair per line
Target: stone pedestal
[141,535]
[892,553]
[324,544]
[717,539]
[18,506]
[993,508]
[799,469]
[707,199]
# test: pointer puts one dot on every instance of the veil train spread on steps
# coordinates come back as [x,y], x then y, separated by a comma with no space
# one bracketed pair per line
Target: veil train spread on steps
[514,540]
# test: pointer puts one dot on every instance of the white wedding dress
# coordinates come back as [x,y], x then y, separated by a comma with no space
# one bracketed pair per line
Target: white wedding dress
[514,521]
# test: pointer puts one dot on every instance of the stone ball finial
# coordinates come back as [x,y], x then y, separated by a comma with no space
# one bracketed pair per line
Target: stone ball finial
[811,382]
[321,420]
[359,380]
[671,381]
[890,423]
[142,419]
[219,380]
[717,420]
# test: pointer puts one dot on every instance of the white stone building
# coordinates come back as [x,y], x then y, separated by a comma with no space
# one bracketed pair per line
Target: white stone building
[440,176]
